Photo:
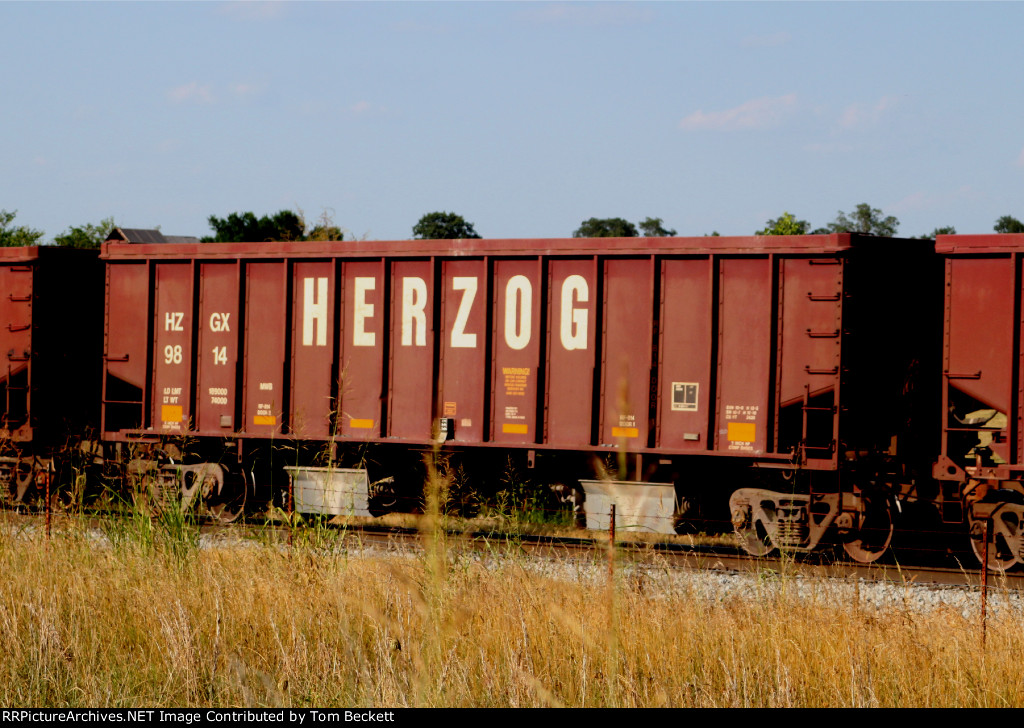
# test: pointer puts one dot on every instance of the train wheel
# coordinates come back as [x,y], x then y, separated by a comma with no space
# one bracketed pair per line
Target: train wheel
[868,542]
[24,477]
[1000,555]
[751,532]
[229,504]
[8,488]
[191,486]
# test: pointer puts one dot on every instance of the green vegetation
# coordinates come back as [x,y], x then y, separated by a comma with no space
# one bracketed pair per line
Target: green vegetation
[785,224]
[245,227]
[13,236]
[864,219]
[443,226]
[1008,224]
[609,227]
[86,236]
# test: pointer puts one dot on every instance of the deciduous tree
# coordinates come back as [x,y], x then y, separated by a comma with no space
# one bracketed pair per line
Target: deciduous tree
[443,226]
[864,219]
[246,227]
[12,236]
[85,236]
[651,227]
[608,227]
[1008,224]
[785,224]
[946,230]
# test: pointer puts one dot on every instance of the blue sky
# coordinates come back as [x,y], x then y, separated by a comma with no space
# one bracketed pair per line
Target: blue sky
[525,118]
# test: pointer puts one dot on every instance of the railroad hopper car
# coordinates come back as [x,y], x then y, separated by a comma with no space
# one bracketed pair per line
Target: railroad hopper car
[778,381]
[979,469]
[51,303]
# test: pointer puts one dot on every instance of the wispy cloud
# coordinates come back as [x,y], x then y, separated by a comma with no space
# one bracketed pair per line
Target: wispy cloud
[191,93]
[587,14]
[1020,159]
[366,109]
[246,90]
[759,113]
[861,116]
[766,41]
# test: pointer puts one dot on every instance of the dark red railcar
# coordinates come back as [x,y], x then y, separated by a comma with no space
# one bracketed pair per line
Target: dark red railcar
[51,302]
[981,462]
[695,357]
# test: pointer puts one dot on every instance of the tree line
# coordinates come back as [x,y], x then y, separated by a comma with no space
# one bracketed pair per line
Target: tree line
[292,225]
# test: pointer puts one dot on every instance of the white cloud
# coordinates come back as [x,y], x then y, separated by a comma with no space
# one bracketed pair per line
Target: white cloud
[860,116]
[194,93]
[360,107]
[759,113]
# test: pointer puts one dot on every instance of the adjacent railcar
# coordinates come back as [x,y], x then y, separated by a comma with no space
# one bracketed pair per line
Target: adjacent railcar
[784,365]
[51,303]
[980,465]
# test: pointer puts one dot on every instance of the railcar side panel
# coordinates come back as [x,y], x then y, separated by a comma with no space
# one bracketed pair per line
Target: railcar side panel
[464,347]
[685,363]
[744,355]
[517,339]
[313,349]
[980,329]
[413,333]
[266,327]
[126,347]
[364,340]
[217,358]
[571,347]
[979,363]
[172,347]
[810,352]
[626,352]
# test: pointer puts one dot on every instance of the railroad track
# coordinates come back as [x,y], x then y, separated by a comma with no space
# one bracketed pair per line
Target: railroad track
[912,568]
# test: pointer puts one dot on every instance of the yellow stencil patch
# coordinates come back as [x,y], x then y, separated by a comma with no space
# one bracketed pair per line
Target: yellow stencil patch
[360,424]
[625,432]
[742,432]
[513,429]
[264,420]
[171,413]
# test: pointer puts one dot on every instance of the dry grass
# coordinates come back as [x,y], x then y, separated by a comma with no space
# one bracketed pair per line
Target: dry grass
[502,525]
[140,624]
